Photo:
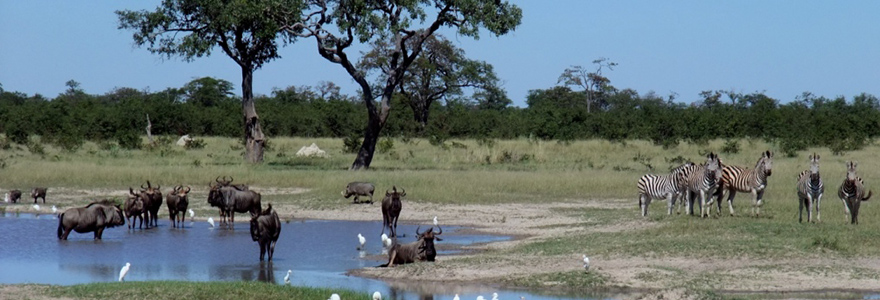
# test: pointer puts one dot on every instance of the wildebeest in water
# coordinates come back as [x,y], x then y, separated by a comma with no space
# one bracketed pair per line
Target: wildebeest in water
[265,230]
[92,218]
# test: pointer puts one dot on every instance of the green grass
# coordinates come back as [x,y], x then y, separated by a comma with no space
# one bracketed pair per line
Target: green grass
[193,290]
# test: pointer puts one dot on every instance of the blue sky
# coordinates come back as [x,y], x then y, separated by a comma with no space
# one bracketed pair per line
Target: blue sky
[781,48]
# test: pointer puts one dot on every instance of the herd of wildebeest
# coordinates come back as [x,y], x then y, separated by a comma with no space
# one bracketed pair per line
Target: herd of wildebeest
[142,206]
[700,183]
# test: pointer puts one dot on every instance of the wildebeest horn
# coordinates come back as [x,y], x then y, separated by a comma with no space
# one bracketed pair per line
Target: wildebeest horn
[131,191]
[187,189]
[439,232]
[148,184]
[142,187]
[403,192]
[231,179]
[217,179]
[417,231]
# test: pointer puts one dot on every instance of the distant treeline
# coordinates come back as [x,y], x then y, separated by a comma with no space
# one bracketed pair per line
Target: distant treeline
[207,107]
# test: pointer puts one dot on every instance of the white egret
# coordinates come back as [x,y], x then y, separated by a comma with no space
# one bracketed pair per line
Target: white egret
[494,296]
[586,262]
[435,220]
[456,297]
[124,271]
[362,240]
[480,297]
[6,198]
[386,241]
[334,297]
[377,295]
[211,221]
[191,213]
[54,209]
[287,277]
[36,207]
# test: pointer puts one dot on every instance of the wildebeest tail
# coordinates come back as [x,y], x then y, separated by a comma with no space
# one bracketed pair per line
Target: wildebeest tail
[60,220]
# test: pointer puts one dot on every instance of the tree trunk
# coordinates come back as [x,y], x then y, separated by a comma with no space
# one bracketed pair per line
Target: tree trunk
[253,133]
[375,121]
[420,112]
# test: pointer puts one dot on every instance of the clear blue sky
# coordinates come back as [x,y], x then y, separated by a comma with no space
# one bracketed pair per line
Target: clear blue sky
[781,48]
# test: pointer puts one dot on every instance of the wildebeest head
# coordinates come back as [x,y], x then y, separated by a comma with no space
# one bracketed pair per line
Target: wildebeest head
[109,212]
[150,191]
[133,203]
[427,247]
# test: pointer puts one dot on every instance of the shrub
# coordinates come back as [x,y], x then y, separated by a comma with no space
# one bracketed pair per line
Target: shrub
[730,146]
[385,145]
[195,144]
[351,144]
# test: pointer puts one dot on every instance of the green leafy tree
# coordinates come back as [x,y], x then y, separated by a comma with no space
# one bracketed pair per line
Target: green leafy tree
[337,24]
[246,31]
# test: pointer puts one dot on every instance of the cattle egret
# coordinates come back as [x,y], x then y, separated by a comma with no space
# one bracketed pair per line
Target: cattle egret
[211,221]
[456,297]
[191,213]
[334,297]
[54,209]
[586,262]
[124,271]
[435,220]
[36,207]
[287,277]
[6,198]
[377,295]
[362,240]
[386,241]
[480,298]
[494,296]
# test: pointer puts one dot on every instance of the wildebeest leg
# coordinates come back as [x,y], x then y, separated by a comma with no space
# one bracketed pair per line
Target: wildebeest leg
[99,232]
[271,249]
[394,229]
[384,222]
[262,249]
[392,257]
[66,233]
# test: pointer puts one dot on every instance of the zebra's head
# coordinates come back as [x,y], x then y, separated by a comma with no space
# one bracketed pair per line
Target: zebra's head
[814,164]
[713,168]
[851,170]
[765,163]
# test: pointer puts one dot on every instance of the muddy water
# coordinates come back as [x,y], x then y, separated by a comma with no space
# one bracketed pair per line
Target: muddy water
[318,252]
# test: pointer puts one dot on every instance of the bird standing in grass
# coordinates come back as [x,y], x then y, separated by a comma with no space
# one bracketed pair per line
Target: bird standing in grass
[124,271]
[377,295]
[36,207]
[211,221]
[334,297]
[362,240]
[287,277]
[586,263]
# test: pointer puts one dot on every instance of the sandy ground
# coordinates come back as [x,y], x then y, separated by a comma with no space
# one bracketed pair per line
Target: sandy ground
[655,278]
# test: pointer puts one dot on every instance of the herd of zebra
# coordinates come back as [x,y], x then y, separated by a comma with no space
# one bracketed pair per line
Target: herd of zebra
[700,183]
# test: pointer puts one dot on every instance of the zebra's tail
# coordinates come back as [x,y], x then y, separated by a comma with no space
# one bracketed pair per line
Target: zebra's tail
[868,196]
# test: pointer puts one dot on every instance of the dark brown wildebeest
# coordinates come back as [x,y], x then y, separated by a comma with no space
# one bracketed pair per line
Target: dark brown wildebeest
[238,201]
[391,207]
[93,217]
[152,203]
[39,192]
[14,195]
[420,250]
[177,202]
[215,198]
[134,209]
[265,229]
[359,189]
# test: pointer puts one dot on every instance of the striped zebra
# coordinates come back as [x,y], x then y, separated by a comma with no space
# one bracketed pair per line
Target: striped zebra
[669,186]
[852,192]
[809,190]
[702,181]
[738,179]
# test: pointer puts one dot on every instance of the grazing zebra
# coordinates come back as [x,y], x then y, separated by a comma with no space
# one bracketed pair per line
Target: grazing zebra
[738,179]
[852,192]
[669,186]
[810,189]
[702,180]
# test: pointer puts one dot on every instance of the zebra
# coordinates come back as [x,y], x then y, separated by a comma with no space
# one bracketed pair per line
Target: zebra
[810,190]
[702,180]
[852,193]
[738,179]
[669,186]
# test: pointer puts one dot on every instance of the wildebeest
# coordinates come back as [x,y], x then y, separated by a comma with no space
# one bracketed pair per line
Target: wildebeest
[39,192]
[420,250]
[177,202]
[391,207]
[14,195]
[265,229]
[852,192]
[152,203]
[134,209]
[93,217]
[359,189]
[215,198]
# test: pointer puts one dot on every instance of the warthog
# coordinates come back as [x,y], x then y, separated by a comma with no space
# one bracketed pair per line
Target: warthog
[359,189]
[14,195]
[39,192]
[152,203]
[265,229]
[134,209]
[420,250]
[94,217]
[391,207]
[177,202]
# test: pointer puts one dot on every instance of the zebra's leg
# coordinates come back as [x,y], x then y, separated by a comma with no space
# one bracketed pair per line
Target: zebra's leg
[644,200]
[689,203]
[731,193]
[846,212]
[818,205]
[810,204]
[801,209]
[759,201]
[705,206]
[670,203]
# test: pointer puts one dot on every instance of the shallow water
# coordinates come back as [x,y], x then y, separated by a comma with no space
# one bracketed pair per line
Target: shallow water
[318,252]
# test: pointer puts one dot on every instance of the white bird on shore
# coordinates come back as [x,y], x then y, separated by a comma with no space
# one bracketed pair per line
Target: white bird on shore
[435,220]
[377,295]
[124,271]
[456,297]
[6,198]
[54,209]
[586,262]
[334,297]
[386,242]
[36,206]
[287,277]
[191,213]
[211,221]
[480,297]
[362,240]
[494,296]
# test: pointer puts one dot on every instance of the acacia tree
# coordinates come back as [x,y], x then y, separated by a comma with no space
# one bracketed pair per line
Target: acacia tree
[441,71]
[337,24]
[246,31]
[593,83]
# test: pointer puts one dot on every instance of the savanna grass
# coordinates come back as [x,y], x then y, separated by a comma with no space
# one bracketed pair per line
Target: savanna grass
[194,290]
